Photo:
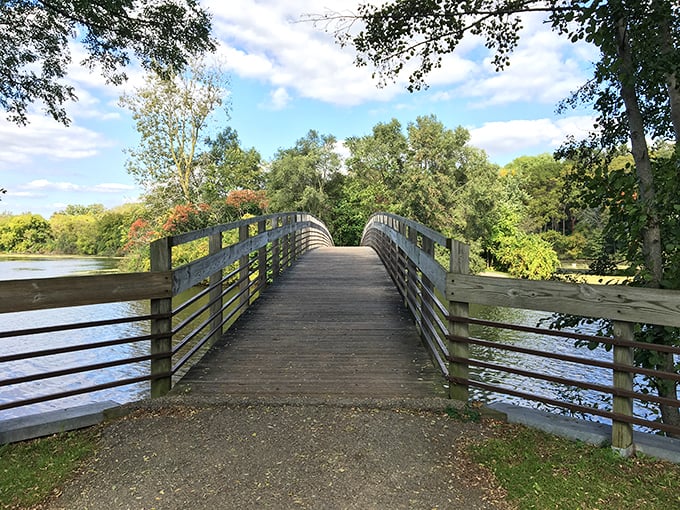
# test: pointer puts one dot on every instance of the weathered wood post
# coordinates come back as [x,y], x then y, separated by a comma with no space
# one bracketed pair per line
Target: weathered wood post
[276,251]
[215,246]
[459,263]
[622,432]
[262,257]
[244,269]
[413,278]
[161,366]
[426,303]
[285,252]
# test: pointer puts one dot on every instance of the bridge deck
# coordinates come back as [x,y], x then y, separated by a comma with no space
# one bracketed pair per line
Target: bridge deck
[332,325]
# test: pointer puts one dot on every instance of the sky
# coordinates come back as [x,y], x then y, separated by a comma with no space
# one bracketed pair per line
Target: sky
[287,76]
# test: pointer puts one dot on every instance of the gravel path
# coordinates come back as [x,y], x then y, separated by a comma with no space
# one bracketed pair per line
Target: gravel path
[176,454]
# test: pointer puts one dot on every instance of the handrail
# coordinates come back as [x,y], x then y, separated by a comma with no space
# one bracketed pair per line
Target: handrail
[440,306]
[265,247]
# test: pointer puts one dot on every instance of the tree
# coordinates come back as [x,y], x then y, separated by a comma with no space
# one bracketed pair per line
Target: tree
[36,35]
[299,176]
[25,233]
[635,90]
[170,114]
[228,168]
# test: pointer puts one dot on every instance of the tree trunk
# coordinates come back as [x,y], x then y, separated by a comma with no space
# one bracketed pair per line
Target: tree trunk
[672,82]
[651,236]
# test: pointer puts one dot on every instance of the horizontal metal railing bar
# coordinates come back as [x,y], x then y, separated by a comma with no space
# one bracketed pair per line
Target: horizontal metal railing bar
[568,334]
[186,304]
[611,390]
[441,307]
[192,334]
[81,369]
[567,405]
[433,331]
[81,391]
[78,347]
[568,358]
[80,325]
[437,320]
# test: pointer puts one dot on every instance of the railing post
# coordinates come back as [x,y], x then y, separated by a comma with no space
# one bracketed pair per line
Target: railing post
[215,246]
[161,260]
[262,257]
[459,263]
[413,280]
[276,250]
[244,269]
[428,247]
[286,243]
[622,432]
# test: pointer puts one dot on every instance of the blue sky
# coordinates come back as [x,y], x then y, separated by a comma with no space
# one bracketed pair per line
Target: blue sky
[286,78]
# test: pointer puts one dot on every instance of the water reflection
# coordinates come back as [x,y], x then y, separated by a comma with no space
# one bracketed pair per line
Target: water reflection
[536,364]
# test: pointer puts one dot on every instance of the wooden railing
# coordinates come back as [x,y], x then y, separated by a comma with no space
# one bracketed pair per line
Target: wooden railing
[239,260]
[440,301]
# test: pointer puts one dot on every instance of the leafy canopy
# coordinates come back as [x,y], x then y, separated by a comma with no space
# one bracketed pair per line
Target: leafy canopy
[36,35]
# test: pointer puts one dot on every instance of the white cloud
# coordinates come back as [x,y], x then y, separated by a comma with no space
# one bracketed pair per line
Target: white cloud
[265,41]
[279,98]
[45,185]
[515,136]
[45,138]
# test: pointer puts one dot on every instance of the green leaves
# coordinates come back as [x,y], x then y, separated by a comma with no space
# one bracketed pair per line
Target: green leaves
[35,53]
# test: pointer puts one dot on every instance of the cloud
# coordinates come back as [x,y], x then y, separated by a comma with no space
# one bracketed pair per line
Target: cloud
[279,98]
[46,138]
[45,185]
[514,137]
[266,41]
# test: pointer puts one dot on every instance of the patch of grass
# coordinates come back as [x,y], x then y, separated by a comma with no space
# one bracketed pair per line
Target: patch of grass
[542,471]
[468,413]
[31,470]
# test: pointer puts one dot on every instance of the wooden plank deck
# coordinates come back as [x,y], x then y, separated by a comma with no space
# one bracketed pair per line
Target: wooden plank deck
[332,325]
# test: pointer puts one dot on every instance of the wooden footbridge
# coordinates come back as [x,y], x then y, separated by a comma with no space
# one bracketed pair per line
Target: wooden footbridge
[332,325]
[272,308]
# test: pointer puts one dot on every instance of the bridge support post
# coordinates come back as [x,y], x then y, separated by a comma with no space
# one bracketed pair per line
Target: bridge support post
[412,284]
[276,251]
[244,270]
[459,370]
[215,282]
[161,346]
[261,258]
[622,432]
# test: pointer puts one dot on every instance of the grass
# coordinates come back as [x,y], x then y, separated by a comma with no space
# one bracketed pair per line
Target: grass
[542,471]
[32,470]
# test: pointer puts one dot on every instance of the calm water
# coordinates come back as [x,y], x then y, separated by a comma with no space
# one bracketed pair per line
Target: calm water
[36,267]
[547,366]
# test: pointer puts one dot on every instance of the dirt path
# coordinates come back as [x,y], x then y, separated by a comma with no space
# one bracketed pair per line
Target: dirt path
[255,454]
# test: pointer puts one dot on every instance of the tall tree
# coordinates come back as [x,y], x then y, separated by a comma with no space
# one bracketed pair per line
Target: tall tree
[171,114]
[299,176]
[36,38]
[229,167]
